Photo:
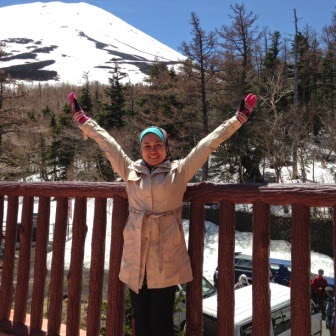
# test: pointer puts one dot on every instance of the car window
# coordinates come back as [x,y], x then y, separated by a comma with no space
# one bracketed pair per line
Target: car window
[207,288]
[243,262]
[275,267]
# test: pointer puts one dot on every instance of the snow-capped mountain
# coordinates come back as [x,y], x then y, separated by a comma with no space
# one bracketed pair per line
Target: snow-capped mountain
[59,42]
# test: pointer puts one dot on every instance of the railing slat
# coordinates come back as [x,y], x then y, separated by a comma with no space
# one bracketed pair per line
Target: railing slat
[260,269]
[116,289]
[334,247]
[300,284]
[2,202]
[57,268]
[75,275]
[40,269]
[25,232]
[97,268]
[6,290]
[226,274]
[194,288]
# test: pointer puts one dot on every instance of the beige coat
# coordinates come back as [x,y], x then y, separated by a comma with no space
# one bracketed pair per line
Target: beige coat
[153,236]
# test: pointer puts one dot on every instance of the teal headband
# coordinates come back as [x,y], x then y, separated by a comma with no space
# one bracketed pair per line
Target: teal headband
[154,130]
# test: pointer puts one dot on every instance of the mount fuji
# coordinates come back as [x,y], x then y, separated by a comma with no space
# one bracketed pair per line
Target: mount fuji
[59,42]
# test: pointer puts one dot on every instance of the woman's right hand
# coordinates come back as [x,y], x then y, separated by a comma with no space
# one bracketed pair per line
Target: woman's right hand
[77,111]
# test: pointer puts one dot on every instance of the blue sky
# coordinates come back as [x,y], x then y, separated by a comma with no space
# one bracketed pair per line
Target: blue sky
[169,20]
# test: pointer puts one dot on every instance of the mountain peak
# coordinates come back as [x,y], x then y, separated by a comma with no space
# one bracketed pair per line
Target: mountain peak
[59,42]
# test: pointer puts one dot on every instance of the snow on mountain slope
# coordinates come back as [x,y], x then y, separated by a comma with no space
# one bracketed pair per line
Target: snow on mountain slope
[58,41]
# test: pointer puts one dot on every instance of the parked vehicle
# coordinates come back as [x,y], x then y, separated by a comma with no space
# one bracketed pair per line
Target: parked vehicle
[280,268]
[280,313]
[208,290]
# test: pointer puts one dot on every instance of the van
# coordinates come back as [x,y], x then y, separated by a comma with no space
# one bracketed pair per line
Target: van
[280,313]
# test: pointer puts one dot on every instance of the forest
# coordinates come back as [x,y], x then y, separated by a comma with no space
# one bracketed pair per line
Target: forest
[293,125]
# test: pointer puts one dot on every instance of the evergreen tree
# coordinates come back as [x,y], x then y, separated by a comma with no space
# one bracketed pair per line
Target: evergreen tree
[62,149]
[114,113]
[271,59]
[85,97]
[54,147]
[164,103]
[47,112]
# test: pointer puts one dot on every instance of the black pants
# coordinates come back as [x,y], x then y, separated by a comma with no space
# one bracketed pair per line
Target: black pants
[153,311]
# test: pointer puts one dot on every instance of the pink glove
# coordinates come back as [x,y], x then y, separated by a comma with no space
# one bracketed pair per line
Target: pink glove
[245,108]
[77,111]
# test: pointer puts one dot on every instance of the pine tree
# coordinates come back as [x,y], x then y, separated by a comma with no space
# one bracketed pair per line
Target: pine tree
[62,149]
[114,112]
[164,103]
[85,97]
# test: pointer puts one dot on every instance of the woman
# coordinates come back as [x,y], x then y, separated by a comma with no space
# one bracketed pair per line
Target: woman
[155,258]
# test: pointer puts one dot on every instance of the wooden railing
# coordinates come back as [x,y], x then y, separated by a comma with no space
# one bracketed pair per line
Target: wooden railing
[301,197]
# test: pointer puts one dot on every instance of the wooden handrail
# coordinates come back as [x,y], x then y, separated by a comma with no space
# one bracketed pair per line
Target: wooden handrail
[300,196]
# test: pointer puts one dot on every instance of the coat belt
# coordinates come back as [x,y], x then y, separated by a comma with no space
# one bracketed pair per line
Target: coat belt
[156,216]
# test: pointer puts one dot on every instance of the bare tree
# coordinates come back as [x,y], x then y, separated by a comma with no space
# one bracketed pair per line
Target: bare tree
[238,40]
[200,67]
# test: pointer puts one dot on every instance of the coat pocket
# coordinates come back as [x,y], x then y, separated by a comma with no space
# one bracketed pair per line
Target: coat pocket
[131,247]
[174,243]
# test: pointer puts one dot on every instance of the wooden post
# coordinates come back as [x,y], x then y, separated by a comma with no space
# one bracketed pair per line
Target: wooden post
[300,278]
[6,289]
[260,269]
[40,269]
[97,268]
[194,288]
[226,274]
[75,275]
[116,289]
[57,268]
[26,229]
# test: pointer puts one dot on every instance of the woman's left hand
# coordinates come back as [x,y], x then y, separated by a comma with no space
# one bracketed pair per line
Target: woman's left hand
[245,107]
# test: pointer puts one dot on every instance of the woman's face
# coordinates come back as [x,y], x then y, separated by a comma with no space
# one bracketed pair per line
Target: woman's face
[153,150]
